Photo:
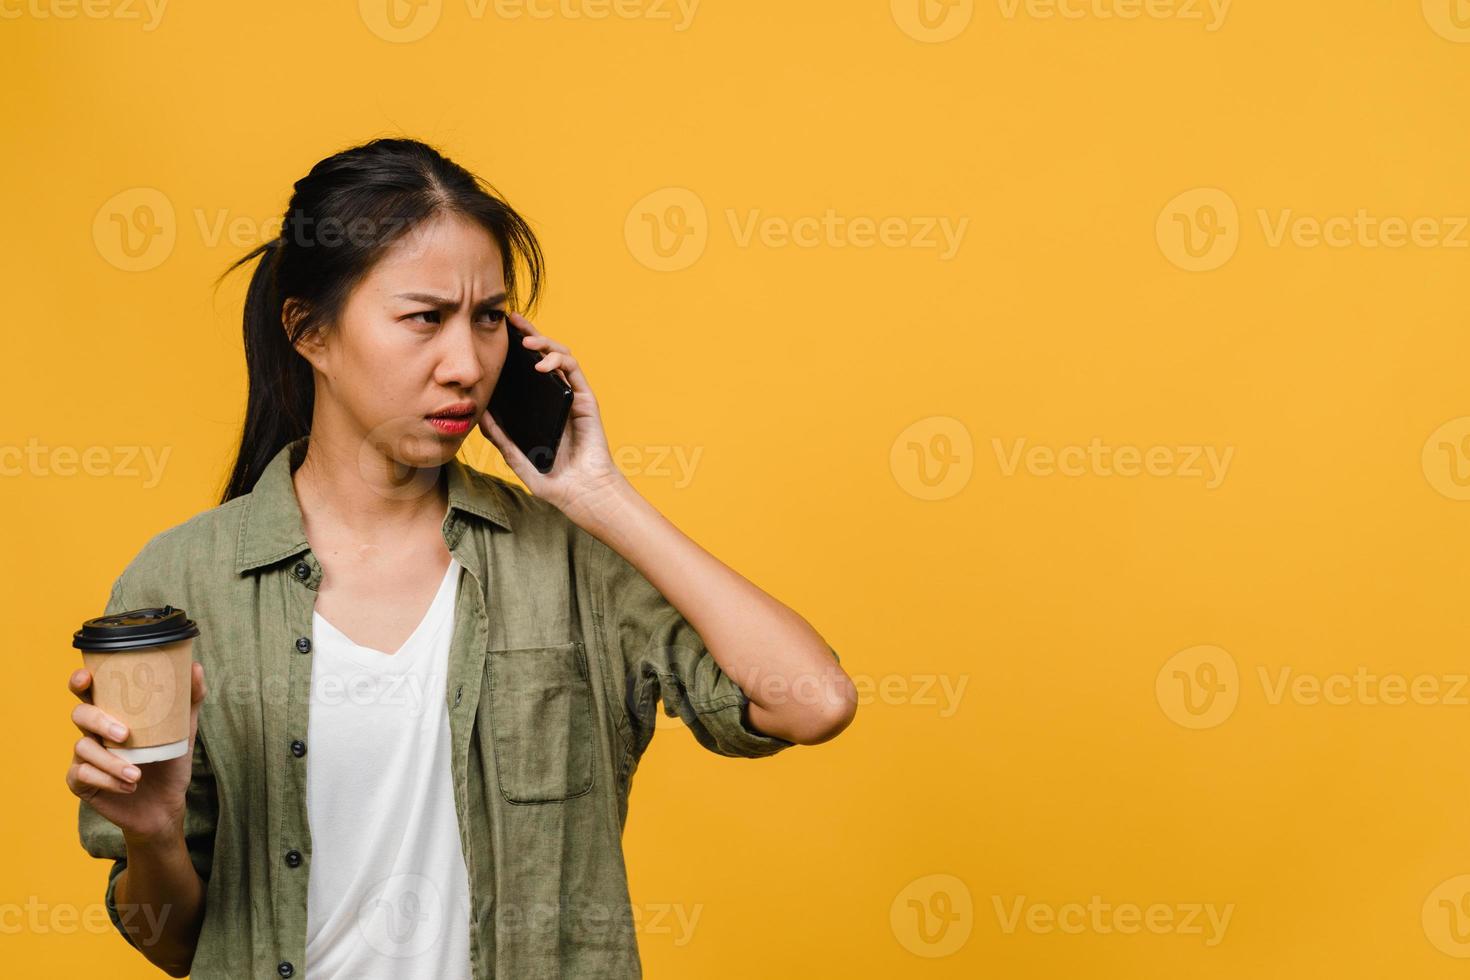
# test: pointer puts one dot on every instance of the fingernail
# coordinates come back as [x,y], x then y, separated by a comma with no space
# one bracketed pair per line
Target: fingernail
[132,772]
[117,731]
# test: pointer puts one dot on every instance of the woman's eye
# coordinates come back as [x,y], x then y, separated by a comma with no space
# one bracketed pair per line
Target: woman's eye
[494,316]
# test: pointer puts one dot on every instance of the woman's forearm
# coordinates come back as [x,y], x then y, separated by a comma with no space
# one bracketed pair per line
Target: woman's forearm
[797,690]
[160,898]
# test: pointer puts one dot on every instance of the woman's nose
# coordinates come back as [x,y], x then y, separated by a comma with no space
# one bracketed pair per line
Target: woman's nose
[459,360]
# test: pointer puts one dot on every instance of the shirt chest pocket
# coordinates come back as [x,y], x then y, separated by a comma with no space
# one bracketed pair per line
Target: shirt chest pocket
[541,722]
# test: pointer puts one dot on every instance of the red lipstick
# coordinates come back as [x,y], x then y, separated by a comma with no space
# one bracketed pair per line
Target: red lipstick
[454,419]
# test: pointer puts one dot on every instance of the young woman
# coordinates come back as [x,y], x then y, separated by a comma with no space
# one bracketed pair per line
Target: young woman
[428,689]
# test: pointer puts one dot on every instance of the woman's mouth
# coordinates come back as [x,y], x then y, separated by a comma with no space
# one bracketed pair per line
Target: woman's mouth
[454,425]
[454,420]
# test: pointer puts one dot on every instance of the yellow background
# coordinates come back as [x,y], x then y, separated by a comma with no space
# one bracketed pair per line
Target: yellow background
[826,389]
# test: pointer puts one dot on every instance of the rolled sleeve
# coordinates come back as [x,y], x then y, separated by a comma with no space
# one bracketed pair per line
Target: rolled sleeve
[665,659]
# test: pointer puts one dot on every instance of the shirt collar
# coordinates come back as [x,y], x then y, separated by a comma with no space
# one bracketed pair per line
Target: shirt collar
[272,528]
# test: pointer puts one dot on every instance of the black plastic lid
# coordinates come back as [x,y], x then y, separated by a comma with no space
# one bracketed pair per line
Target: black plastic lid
[134,629]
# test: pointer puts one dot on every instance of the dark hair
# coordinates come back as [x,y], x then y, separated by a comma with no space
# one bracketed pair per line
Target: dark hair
[341,218]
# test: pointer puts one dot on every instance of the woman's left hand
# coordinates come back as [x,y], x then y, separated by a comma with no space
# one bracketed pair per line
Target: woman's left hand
[582,478]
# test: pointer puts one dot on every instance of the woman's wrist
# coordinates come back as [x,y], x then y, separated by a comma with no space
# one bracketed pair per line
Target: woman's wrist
[600,511]
[167,838]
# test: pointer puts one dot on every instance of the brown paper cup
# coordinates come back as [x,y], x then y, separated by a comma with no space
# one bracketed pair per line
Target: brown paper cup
[147,690]
[141,662]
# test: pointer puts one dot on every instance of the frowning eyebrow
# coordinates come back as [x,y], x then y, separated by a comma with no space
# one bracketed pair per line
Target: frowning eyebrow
[445,303]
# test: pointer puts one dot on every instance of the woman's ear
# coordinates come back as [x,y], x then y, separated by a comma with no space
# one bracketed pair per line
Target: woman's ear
[310,345]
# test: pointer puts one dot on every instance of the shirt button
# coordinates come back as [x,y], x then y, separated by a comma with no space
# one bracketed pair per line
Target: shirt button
[303,644]
[298,748]
[293,858]
[303,572]
[286,969]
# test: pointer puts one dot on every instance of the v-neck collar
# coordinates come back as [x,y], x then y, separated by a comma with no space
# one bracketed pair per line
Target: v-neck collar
[451,576]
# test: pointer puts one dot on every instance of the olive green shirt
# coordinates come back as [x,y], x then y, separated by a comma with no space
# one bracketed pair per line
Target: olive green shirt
[561,651]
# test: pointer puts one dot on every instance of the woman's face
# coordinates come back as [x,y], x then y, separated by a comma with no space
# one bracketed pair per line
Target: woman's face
[425,330]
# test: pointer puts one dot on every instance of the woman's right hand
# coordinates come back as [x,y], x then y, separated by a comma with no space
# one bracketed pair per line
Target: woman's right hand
[145,800]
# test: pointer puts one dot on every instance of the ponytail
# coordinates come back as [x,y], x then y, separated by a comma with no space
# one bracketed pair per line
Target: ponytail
[279,404]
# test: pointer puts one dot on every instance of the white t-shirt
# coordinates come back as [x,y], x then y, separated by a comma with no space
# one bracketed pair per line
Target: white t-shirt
[388,892]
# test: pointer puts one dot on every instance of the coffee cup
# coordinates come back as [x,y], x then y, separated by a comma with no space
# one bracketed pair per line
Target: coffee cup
[141,663]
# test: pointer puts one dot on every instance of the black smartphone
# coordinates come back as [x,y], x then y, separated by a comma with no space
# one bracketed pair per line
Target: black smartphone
[531,406]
